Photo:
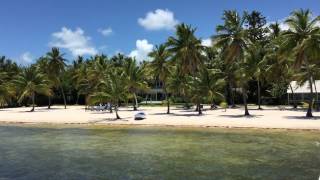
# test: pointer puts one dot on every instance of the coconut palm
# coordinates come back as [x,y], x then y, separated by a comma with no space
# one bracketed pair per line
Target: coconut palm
[302,39]
[31,82]
[43,66]
[161,69]
[56,66]
[205,86]
[255,56]
[186,49]
[134,79]
[112,89]
[233,40]
[5,91]
[257,33]
[179,85]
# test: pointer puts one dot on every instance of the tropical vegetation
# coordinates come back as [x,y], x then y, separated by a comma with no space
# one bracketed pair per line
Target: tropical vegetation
[249,60]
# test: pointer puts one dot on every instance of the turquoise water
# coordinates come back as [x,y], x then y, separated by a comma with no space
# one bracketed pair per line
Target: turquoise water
[31,152]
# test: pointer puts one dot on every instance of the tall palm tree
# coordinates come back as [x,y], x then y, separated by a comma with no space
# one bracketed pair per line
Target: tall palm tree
[257,33]
[56,66]
[31,82]
[255,56]
[161,69]
[277,64]
[75,75]
[135,80]
[43,66]
[186,49]
[303,38]
[233,40]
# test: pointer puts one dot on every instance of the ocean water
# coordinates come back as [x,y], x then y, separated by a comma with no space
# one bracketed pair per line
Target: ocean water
[92,152]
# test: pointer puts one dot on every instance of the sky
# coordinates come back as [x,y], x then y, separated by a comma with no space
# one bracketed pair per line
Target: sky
[30,28]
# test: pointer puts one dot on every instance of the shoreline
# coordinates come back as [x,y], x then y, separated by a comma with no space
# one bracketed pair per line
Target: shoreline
[269,118]
[109,125]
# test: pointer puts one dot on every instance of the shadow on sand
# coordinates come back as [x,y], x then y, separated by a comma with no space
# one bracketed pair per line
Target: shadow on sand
[302,117]
[125,119]
[241,116]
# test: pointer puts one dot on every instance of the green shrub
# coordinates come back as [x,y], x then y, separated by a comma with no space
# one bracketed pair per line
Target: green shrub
[224,105]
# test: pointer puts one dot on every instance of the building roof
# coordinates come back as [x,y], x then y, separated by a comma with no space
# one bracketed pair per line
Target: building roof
[303,88]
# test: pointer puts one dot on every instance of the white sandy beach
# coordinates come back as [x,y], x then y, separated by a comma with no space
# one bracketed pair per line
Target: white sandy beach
[267,118]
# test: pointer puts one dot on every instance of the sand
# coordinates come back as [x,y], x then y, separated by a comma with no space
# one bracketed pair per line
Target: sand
[270,117]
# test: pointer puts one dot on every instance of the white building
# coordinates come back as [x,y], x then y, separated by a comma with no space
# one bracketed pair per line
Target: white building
[301,93]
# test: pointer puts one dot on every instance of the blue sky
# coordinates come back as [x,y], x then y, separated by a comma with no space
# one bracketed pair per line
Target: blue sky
[30,28]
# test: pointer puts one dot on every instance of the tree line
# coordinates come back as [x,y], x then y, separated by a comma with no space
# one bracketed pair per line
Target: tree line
[248,57]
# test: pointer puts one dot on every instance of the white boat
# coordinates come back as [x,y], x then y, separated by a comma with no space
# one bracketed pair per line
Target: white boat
[139,116]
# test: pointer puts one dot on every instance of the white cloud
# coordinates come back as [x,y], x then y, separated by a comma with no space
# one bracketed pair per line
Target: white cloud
[26,58]
[158,20]
[75,41]
[143,48]
[105,32]
[284,26]
[206,42]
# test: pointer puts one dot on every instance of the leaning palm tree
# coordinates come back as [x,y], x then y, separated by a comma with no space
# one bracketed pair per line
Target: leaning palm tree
[233,40]
[302,39]
[56,66]
[161,69]
[31,82]
[134,79]
[186,49]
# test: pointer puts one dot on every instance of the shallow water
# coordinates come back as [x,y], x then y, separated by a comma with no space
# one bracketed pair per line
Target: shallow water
[31,152]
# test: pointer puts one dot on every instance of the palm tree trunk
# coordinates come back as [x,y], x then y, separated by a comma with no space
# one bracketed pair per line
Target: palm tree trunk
[135,103]
[77,101]
[49,102]
[259,95]
[168,102]
[199,109]
[231,95]
[33,102]
[116,110]
[309,112]
[293,97]
[244,95]
[64,97]
[317,97]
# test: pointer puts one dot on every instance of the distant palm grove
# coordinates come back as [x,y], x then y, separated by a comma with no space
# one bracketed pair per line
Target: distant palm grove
[249,61]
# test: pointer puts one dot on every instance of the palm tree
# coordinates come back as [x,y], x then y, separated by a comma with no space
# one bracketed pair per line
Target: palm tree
[43,66]
[277,64]
[257,33]
[76,75]
[205,85]
[5,91]
[233,40]
[56,66]
[303,38]
[179,85]
[255,56]
[134,79]
[112,89]
[186,49]
[161,69]
[31,82]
